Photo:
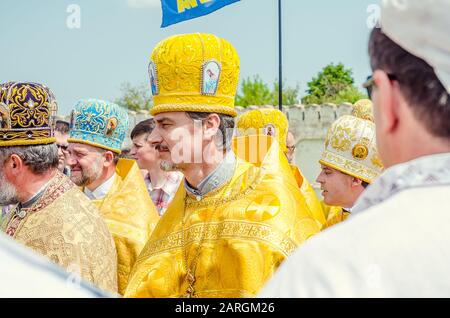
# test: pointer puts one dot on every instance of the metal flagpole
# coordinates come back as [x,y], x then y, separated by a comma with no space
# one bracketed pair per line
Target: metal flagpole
[280,61]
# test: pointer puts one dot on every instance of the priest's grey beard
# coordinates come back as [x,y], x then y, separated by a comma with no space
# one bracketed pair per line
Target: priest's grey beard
[8,193]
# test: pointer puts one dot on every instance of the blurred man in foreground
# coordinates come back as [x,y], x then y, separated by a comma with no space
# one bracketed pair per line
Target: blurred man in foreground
[396,242]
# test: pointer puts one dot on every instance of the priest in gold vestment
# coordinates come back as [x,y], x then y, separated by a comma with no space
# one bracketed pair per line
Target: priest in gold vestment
[349,163]
[232,222]
[274,123]
[50,214]
[114,185]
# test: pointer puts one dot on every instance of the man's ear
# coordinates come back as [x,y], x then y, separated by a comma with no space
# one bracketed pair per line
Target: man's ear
[356,182]
[109,158]
[388,99]
[14,166]
[211,126]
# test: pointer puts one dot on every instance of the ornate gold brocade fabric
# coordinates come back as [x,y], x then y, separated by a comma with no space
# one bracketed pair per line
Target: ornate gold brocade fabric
[130,215]
[335,214]
[310,196]
[65,226]
[237,235]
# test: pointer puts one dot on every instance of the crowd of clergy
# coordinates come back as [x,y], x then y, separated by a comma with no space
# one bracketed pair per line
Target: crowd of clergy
[210,204]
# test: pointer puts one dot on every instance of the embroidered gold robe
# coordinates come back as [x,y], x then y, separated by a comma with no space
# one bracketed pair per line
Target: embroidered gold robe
[66,227]
[310,196]
[334,214]
[130,215]
[232,240]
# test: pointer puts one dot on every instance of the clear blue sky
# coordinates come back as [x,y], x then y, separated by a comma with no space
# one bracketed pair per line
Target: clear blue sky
[116,39]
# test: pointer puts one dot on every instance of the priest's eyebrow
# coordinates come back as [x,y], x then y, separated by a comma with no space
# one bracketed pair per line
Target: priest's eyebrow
[164,119]
[80,151]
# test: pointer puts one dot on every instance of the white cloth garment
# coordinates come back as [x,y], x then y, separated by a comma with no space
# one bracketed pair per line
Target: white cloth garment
[101,191]
[421,27]
[28,275]
[395,245]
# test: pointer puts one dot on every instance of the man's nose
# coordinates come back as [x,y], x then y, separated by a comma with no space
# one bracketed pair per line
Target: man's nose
[320,178]
[154,138]
[71,161]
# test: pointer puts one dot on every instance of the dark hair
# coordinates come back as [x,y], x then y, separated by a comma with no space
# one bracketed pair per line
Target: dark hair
[62,127]
[144,127]
[420,86]
[125,154]
[226,127]
[116,156]
[364,184]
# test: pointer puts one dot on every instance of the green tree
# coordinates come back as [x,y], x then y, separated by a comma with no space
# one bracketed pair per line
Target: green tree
[350,94]
[135,97]
[333,84]
[254,92]
[290,94]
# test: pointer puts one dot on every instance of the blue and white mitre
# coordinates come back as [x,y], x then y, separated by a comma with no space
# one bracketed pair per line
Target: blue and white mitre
[99,123]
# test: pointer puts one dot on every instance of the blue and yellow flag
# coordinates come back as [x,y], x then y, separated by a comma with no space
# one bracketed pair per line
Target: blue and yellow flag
[175,11]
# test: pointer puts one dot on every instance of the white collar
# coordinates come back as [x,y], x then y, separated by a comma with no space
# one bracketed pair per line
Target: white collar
[167,187]
[102,190]
[426,171]
[221,174]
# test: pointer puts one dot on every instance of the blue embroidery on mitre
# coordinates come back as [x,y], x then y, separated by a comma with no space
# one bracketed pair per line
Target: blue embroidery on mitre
[102,123]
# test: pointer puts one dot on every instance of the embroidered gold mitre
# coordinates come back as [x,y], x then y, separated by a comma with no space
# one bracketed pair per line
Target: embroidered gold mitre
[195,73]
[350,145]
[269,122]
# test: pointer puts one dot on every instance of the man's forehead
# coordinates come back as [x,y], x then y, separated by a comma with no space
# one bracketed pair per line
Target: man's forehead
[290,138]
[140,138]
[336,171]
[61,137]
[326,167]
[60,134]
[172,116]
[82,147]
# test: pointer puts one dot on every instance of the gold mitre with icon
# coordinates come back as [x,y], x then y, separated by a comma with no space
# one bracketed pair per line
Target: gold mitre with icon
[269,122]
[194,73]
[27,114]
[350,145]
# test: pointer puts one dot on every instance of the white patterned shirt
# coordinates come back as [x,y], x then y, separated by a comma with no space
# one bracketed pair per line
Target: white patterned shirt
[395,245]
[162,196]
